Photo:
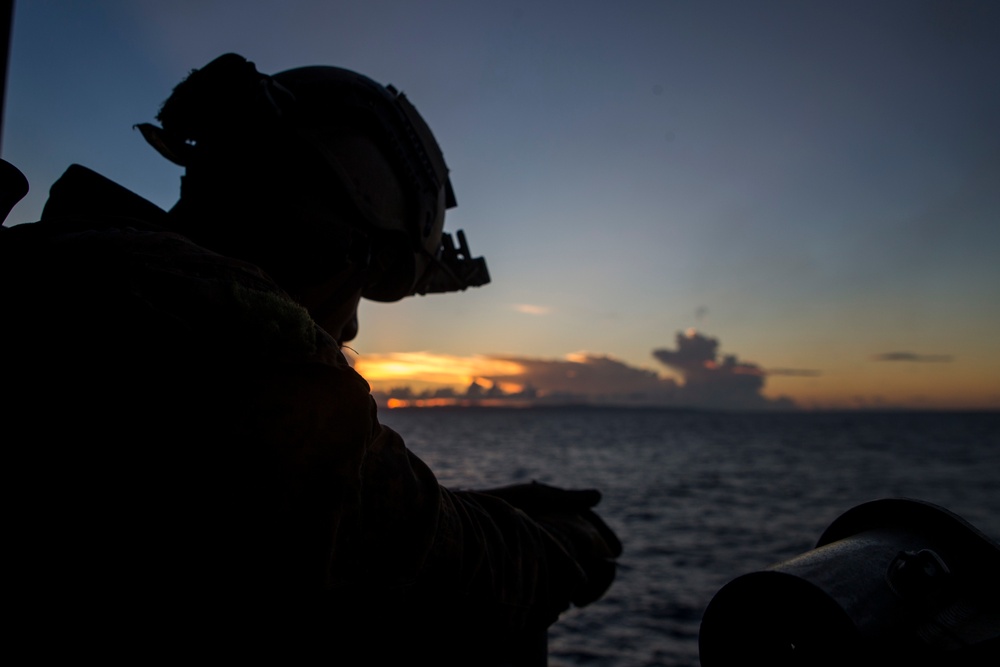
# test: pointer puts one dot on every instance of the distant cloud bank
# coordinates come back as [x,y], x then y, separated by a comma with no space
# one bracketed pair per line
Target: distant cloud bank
[794,372]
[910,356]
[706,381]
[709,381]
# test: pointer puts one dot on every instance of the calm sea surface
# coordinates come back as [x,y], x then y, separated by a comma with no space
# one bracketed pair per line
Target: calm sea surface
[700,498]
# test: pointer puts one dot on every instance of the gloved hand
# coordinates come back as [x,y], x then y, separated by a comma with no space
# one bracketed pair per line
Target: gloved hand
[566,514]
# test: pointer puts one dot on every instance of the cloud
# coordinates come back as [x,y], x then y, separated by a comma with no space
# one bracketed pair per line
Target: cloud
[588,377]
[710,382]
[910,356]
[581,378]
[530,309]
[794,372]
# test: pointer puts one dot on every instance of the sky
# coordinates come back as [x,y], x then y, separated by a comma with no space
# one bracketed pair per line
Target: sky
[710,204]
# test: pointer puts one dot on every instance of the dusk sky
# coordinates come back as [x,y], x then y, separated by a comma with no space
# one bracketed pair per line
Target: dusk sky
[714,203]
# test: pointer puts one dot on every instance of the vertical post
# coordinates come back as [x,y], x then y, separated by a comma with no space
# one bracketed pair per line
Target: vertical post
[6,19]
[13,184]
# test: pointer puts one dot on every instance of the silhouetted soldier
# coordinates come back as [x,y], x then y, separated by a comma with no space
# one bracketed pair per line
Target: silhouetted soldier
[193,465]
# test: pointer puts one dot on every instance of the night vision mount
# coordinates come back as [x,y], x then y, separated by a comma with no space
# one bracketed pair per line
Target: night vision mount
[456,268]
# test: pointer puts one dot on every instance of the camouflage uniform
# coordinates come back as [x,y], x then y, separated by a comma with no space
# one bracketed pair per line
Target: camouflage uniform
[193,457]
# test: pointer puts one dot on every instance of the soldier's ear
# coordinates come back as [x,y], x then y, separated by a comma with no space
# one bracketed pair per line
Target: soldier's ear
[175,150]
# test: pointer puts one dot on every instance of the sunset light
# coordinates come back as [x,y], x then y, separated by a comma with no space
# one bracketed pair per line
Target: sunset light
[385,371]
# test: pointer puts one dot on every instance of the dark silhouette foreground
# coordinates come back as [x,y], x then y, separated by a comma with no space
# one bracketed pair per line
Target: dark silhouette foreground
[194,466]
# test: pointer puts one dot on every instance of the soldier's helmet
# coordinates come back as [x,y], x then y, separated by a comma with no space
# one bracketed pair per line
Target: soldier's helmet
[368,145]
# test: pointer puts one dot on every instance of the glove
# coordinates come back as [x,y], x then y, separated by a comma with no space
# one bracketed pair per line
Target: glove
[567,516]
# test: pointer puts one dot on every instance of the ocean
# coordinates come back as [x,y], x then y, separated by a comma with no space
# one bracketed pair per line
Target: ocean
[699,498]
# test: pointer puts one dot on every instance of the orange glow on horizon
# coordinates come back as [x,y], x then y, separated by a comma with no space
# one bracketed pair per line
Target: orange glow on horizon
[395,403]
[511,387]
[440,380]
[407,368]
